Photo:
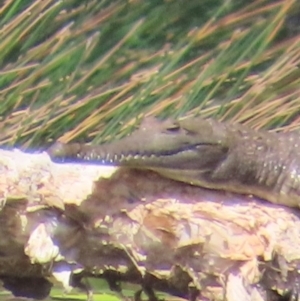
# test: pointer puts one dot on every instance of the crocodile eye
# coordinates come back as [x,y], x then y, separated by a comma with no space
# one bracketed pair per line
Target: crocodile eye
[173,128]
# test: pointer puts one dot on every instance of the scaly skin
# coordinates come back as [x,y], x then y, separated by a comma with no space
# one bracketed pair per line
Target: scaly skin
[205,153]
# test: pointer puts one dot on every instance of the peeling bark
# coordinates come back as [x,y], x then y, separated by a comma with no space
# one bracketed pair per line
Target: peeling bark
[136,226]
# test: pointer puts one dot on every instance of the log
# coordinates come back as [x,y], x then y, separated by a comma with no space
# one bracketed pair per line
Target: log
[59,221]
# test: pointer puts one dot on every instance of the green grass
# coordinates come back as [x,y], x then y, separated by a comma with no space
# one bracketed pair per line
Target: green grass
[89,70]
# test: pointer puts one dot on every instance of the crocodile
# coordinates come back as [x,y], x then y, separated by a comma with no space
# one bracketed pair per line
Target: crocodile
[203,152]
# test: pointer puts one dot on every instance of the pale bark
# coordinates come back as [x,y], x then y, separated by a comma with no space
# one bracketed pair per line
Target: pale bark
[100,218]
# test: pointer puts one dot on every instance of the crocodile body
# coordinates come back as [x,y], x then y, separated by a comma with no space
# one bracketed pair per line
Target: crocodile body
[206,153]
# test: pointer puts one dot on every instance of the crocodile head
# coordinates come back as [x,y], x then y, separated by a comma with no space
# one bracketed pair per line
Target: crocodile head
[184,144]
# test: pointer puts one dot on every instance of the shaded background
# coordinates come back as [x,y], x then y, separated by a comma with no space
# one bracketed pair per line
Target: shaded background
[89,70]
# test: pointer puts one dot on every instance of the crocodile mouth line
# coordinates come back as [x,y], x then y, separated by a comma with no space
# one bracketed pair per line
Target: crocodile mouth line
[158,154]
[99,155]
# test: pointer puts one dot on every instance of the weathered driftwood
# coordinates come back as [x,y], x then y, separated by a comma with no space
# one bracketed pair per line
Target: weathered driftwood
[132,225]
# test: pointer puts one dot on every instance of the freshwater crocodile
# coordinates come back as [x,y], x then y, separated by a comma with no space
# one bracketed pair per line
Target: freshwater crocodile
[206,153]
